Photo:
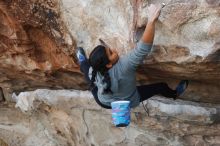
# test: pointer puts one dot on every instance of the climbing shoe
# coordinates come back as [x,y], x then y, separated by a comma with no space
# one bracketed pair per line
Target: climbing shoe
[181,87]
[80,54]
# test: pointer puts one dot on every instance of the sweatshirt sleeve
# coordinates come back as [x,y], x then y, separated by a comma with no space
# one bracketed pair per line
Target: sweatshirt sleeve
[136,56]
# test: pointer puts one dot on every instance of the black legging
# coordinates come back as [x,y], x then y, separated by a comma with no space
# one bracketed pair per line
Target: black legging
[145,91]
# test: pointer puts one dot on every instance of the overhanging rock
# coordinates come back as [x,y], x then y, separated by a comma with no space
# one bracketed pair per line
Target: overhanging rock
[38,39]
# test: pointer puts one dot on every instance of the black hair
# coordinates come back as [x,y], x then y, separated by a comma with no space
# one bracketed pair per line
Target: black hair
[98,60]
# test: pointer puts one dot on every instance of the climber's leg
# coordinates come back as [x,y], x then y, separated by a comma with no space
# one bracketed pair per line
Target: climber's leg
[84,68]
[147,91]
[83,62]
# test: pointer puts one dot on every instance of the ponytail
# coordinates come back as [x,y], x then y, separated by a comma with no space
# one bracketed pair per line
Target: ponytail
[94,73]
[98,61]
[107,80]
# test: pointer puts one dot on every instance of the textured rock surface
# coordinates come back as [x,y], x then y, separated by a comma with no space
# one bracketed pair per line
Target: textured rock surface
[54,118]
[38,39]
[36,47]
[37,43]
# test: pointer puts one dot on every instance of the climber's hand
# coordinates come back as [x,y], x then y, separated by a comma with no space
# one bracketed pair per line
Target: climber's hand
[154,12]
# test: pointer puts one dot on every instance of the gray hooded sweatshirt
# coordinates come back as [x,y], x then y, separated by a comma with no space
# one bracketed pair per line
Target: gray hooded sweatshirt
[123,77]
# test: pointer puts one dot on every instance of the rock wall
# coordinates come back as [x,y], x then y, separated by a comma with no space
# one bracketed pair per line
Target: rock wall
[72,118]
[38,39]
[36,47]
[37,43]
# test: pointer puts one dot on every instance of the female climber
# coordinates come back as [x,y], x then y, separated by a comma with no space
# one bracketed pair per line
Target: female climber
[112,78]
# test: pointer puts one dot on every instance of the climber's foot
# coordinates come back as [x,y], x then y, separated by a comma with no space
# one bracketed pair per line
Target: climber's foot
[181,87]
[80,54]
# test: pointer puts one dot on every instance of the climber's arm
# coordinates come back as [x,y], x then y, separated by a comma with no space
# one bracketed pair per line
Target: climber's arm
[143,48]
[153,14]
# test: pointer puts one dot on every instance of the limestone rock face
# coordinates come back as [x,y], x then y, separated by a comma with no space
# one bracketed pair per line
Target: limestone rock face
[36,47]
[72,118]
[38,39]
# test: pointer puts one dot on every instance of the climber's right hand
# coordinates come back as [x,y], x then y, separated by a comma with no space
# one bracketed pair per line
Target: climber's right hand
[154,12]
